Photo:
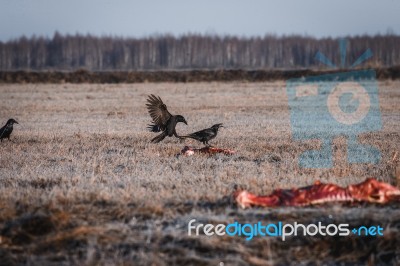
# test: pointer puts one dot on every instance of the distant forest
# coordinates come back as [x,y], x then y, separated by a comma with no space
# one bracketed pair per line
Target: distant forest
[165,52]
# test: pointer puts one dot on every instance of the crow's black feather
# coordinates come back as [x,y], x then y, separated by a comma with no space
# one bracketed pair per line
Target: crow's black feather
[5,131]
[163,120]
[204,135]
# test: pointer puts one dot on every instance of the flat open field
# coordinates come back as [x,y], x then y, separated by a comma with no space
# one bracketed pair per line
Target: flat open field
[82,184]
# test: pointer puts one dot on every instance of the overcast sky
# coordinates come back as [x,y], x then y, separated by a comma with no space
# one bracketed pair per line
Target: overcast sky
[129,18]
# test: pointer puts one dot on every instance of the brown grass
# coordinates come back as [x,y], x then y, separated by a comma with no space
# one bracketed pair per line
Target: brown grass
[82,167]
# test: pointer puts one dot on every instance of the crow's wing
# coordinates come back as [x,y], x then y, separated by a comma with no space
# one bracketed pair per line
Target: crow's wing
[158,111]
[205,133]
[3,131]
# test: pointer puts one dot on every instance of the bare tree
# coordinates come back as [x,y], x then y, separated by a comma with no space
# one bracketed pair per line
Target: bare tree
[191,51]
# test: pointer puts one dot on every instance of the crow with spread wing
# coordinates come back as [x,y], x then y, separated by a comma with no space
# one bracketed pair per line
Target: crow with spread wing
[162,119]
[204,135]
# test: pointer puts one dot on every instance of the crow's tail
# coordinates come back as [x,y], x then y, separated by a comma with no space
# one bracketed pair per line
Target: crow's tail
[154,128]
[189,137]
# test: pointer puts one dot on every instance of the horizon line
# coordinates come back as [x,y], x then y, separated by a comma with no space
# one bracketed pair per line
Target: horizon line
[197,34]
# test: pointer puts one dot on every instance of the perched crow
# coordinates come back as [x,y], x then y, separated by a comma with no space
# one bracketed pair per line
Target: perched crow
[204,135]
[5,131]
[162,119]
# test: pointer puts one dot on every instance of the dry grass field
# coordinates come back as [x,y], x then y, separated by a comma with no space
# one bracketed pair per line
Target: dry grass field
[82,184]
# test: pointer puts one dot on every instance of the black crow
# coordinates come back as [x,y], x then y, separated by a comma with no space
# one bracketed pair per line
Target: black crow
[204,135]
[162,119]
[5,131]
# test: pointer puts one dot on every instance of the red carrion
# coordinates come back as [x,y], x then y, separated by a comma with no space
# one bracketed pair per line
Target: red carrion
[371,190]
[188,151]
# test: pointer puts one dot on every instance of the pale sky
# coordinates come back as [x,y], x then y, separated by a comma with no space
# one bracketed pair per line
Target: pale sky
[129,18]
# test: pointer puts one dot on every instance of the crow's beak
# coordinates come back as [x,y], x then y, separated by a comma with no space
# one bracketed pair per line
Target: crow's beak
[16,122]
[185,122]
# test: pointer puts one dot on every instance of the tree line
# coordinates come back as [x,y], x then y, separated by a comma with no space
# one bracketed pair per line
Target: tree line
[191,51]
